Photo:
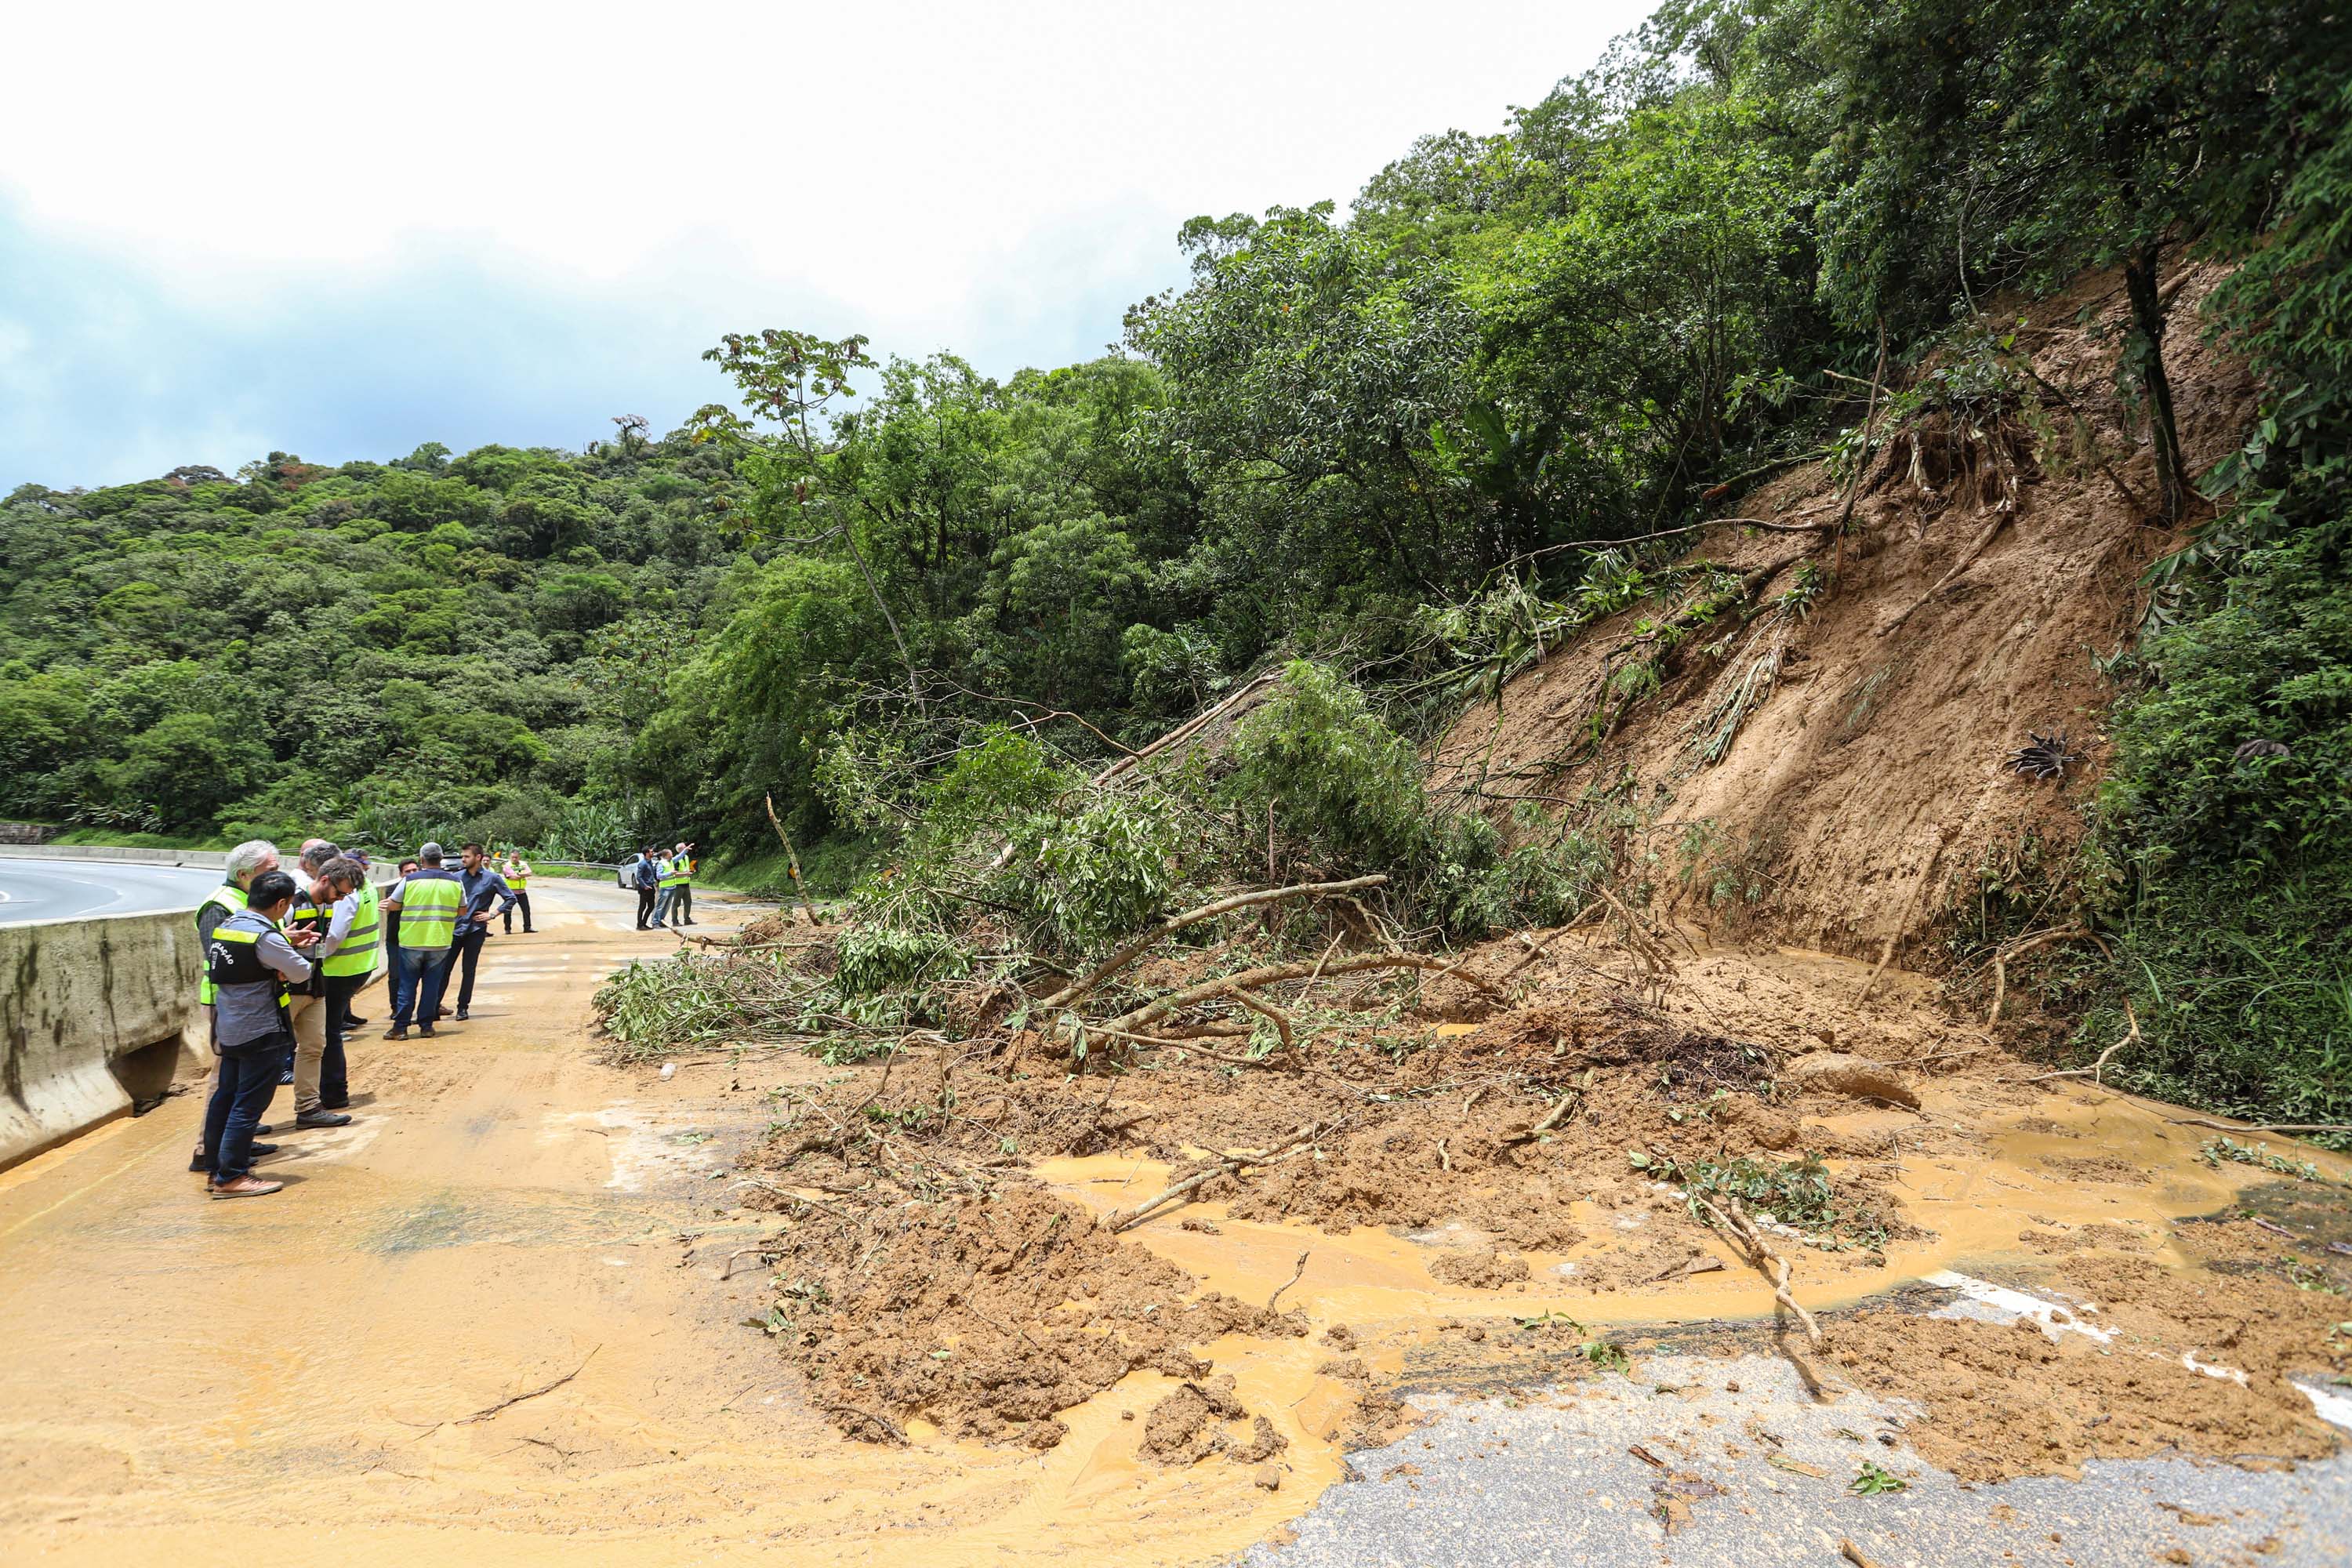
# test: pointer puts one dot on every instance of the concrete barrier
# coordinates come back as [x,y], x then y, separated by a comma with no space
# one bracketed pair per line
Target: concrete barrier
[95,1013]
[99,1012]
[211,859]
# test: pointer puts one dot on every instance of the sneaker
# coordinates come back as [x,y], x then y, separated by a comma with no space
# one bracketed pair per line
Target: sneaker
[397,1033]
[285,1077]
[200,1161]
[322,1119]
[261,1148]
[462,1014]
[246,1187]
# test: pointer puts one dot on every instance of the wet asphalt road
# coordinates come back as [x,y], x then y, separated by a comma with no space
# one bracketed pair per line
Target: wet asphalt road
[1554,1481]
[72,890]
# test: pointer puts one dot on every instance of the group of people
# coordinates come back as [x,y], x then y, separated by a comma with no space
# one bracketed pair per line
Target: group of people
[665,885]
[287,953]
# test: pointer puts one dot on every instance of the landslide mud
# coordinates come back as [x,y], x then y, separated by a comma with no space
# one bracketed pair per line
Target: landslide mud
[1488,1187]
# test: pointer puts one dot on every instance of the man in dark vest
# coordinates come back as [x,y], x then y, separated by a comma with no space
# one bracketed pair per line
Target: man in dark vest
[249,962]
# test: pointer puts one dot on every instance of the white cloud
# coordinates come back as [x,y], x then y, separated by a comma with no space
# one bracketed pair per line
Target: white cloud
[995,179]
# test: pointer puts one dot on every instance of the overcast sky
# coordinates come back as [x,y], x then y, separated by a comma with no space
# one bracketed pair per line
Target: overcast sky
[340,231]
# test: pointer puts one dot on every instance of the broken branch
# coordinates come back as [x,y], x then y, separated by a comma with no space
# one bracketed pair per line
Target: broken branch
[1295,1276]
[1174,924]
[1274,974]
[1231,1165]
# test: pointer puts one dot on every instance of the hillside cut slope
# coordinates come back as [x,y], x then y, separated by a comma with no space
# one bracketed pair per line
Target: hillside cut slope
[1829,767]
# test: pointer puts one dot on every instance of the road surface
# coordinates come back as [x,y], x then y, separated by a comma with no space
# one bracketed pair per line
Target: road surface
[70,889]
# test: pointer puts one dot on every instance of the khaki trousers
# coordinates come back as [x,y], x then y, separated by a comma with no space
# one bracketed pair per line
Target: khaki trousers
[310,1016]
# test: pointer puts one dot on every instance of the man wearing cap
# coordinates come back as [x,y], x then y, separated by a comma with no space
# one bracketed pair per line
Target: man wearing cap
[681,891]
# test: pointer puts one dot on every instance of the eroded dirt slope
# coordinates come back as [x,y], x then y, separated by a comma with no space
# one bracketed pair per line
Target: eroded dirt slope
[1864,786]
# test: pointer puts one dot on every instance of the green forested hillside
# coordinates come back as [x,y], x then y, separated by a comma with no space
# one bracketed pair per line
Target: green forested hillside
[1368,438]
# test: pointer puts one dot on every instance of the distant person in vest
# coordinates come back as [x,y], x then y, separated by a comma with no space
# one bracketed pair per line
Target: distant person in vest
[481,885]
[668,878]
[240,867]
[429,899]
[517,871]
[249,962]
[682,892]
[326,878]
[647,874]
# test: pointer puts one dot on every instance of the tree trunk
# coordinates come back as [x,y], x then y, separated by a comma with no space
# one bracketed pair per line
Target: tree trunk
[2141,283]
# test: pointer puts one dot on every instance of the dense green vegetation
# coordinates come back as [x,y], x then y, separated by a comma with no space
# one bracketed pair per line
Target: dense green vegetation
[1362,438]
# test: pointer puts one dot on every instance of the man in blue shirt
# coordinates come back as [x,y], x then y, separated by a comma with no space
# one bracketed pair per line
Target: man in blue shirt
[482,885]
[646,875]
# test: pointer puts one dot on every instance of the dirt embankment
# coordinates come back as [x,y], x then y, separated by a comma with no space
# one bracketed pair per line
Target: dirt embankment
[1994,564]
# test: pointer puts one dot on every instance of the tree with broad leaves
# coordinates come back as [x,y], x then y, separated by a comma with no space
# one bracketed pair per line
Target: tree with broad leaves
[790,379]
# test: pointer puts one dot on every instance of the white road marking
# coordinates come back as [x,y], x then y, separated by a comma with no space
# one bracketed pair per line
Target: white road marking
[1987,1302]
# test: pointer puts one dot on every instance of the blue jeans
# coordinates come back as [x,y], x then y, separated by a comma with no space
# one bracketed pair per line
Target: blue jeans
[662,901]
[418,978]
[247,1080]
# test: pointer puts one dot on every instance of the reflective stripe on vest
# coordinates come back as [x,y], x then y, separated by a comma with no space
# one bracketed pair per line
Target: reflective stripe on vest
[357,955]
[234,959]
[429,904]
[231,898]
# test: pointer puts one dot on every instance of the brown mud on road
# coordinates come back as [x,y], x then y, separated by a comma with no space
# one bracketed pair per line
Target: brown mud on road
[318,1376]
[502,1317]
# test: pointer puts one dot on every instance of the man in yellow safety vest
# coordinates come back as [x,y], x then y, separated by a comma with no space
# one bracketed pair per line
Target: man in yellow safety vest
[517,872]
[429,899]
[677,905]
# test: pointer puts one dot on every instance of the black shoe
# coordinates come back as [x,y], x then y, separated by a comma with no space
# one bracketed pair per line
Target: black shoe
[322,1119]
[462,1014]
[354,1021]
[262,1130]
[261,1148]
[200,1161]
[528,932]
